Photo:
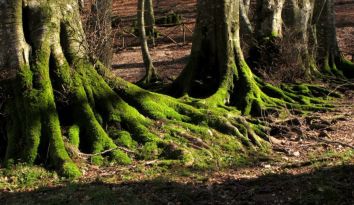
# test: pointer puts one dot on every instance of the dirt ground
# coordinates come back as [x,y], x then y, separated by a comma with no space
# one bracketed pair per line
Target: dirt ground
[312,160]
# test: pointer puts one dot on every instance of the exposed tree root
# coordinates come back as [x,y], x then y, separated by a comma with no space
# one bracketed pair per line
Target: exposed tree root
[248,93]
[61,103]
[96,118]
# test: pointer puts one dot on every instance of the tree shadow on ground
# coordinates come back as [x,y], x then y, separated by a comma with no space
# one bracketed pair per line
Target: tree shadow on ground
[182,60]
[332,185]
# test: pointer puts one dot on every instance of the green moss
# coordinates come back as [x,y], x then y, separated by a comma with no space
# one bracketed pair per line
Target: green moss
[70,170]
[74,135]
[150,151]
[25,77]
[120,157]
[187,157]
[124,139]
[347,68]
[97,160]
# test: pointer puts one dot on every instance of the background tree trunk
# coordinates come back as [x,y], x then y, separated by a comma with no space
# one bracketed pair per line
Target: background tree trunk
[269,19]
[102,21]
[217,71]
[149,18]
[151,74]
[298,34]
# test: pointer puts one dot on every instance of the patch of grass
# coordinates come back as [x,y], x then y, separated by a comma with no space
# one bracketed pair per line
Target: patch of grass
[24,177]
[332,157]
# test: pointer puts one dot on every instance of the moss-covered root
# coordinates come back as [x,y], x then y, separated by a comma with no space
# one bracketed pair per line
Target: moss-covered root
[346,67]
[251,95]
[340,67]
[161,107]
[100,121]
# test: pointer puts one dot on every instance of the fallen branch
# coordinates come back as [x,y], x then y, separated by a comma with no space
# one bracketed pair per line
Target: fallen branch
[332,142]
[107,151]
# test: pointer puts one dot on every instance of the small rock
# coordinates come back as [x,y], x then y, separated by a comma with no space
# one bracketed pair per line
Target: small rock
[275,140]
[296,154]
[267,166]
[320,189]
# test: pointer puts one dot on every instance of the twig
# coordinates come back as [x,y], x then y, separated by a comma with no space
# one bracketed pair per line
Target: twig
[107,151]
[336,88]
[332,142]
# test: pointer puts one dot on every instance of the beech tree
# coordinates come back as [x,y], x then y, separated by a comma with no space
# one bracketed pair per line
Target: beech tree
[99,26]
[61,104]
[217,69]
[149,19]
[150,70]
[310,22]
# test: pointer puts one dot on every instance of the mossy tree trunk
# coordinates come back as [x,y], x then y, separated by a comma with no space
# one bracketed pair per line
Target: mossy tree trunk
[216,67]
[217,71]
[301,34]
[62,102]
[329,57]
[150,73]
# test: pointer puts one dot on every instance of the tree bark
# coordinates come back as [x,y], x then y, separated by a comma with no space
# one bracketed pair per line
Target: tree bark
[269,19]
[150,71]
[149,18]
[328,55]
[217,71]
[101,21]
[309,37]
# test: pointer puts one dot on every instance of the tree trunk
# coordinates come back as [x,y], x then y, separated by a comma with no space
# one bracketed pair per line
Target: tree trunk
[217,69]
[309,37]
[150,20]
[101,28]
[151,74]
[269,19]
[328,55]
[246,24]
[62,105]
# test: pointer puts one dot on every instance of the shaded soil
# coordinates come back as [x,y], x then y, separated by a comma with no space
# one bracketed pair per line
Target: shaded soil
[322,186]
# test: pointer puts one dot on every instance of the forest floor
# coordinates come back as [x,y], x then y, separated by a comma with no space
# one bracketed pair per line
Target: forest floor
[312,163]
[312,160]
